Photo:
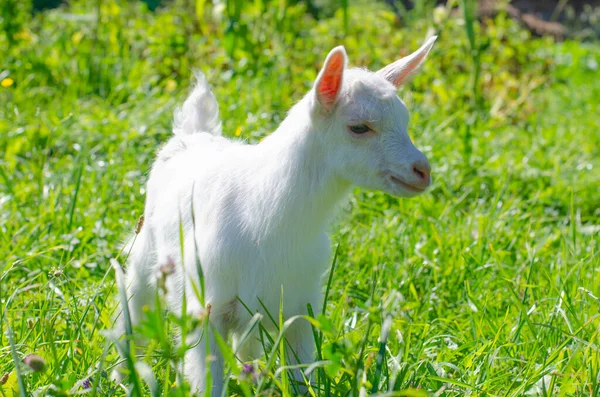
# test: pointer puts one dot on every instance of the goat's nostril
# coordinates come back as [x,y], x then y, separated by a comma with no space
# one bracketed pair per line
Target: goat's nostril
[423,174]
[419,172]
[422,171]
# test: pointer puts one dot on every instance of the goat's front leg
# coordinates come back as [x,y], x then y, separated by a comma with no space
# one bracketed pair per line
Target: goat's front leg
[195,367]
[249,349]
[300,350]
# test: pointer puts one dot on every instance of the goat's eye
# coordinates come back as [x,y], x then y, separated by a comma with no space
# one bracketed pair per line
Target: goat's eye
[359,128]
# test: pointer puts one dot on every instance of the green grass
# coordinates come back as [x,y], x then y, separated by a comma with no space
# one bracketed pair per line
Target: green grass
[490,280]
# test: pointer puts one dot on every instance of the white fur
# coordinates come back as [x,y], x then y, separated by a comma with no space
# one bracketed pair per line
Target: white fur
[262,212]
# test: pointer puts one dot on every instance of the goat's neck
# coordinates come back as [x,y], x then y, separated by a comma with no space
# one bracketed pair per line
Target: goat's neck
[305,189]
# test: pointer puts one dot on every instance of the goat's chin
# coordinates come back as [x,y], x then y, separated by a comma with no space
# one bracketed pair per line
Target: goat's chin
[399,190]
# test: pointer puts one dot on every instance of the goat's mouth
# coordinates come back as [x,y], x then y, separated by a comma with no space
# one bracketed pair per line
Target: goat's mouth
[407,186]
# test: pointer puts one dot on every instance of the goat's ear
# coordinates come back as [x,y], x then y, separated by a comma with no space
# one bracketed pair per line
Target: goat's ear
[329,81]
[403,70]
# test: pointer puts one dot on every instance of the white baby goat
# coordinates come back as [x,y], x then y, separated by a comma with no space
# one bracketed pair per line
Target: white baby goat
[261,212]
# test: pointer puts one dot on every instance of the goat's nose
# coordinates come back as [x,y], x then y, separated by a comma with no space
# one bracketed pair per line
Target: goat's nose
[422,170]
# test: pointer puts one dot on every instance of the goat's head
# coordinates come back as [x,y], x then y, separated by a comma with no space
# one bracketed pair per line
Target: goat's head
[364,124]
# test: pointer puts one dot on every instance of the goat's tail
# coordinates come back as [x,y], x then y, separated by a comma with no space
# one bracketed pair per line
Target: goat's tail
[199,112]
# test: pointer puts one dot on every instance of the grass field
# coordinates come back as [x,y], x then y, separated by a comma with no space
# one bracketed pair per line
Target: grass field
[491,280]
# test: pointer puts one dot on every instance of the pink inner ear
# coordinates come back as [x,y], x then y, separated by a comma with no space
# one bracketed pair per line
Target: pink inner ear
[331,80]
[408,69]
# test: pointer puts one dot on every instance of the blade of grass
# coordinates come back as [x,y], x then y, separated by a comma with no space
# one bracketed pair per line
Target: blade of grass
[15,357]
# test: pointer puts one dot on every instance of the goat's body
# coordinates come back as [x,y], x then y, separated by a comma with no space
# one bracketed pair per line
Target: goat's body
[246,251]
[258,214]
